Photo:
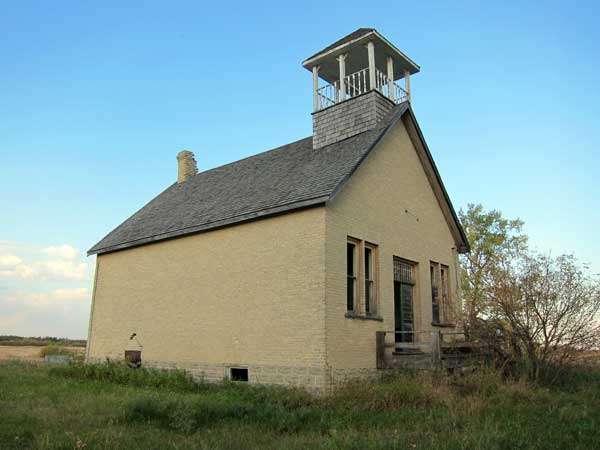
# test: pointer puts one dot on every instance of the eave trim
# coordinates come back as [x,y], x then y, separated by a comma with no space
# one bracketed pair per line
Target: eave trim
[211,226]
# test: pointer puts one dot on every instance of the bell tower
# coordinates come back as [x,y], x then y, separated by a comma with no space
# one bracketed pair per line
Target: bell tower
[354,84]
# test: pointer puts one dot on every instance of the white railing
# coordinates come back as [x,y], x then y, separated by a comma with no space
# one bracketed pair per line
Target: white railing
[357,84]
[327,95]
[400,95]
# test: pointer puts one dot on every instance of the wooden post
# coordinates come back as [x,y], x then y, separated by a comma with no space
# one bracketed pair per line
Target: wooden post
[371,51]
[436,351]
[390,76]
[315,71]
[380,349]
[342,63]
[407,84]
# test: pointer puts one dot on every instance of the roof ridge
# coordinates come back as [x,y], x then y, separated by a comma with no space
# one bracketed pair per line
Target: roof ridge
[251,156]
[356,34]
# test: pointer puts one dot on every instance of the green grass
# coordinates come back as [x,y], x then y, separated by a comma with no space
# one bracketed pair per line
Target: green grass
[114,407]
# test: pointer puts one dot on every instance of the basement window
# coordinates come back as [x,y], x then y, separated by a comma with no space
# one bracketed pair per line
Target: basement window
[238,374]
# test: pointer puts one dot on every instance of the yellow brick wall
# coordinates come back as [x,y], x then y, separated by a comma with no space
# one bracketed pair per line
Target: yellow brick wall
[372,207]
[246,294]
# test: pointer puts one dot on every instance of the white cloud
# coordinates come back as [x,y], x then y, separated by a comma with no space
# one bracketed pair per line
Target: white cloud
[64,251]
[59,269]
[71,294]
[9,260]
[63,297]
[63,264]
[18,271]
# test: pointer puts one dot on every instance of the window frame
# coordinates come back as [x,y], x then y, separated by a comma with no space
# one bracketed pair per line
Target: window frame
[354,277]
[436,316]
[363,307]
[442,298]
[371,276]
[413,281]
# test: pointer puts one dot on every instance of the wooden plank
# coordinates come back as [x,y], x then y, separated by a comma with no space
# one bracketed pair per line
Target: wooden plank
[380,349]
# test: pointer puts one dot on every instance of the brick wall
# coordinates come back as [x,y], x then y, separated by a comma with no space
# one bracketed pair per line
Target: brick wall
[372,207]
[247,295]
[349,118]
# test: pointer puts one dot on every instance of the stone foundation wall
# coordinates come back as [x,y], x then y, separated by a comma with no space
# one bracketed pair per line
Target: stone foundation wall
[315,379]
[311,378]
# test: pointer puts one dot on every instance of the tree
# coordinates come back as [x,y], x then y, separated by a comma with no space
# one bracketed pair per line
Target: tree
[536,311]
[550,310]
[494,240]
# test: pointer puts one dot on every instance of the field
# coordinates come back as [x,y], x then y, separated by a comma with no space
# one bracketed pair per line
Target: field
[40,341]
[114,407]
[28,352]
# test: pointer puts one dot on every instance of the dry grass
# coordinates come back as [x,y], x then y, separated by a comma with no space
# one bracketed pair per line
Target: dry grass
[28,352]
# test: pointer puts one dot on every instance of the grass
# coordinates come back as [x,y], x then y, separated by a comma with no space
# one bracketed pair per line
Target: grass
[114,407]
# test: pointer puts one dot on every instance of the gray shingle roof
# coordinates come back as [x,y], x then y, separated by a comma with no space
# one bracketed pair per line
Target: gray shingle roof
[349,37]
[288,177]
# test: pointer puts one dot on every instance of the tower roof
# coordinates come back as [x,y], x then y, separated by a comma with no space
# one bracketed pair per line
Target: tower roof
[353,44]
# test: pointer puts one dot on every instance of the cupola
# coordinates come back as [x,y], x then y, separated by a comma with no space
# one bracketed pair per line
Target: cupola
[355,84]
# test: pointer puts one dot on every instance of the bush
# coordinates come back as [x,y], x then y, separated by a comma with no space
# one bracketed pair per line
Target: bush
[56,350]
[392,392]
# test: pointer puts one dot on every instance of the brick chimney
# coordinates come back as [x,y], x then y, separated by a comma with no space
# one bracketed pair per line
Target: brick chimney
[186,166]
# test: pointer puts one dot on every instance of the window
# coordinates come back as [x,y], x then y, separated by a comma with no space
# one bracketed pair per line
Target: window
[444,293]
[238,374]
[440,297]
[361,267]
[370,291]
[351,275]
[435,306]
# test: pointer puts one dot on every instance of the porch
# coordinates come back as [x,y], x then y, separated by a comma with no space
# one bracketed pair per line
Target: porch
[428,350]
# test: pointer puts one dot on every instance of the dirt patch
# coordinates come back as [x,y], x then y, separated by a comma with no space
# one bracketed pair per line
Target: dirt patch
[27,352]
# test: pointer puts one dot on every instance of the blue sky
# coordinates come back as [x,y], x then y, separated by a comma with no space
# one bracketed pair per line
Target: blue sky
[98,97]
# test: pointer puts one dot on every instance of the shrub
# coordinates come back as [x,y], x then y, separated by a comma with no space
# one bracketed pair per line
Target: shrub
[392,392]
[56,350]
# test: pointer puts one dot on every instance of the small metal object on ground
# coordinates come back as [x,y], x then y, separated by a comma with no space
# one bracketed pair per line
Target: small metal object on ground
[57,359]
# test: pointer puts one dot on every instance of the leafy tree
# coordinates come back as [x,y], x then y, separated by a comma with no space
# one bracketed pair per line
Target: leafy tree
[537,311]
[494,240]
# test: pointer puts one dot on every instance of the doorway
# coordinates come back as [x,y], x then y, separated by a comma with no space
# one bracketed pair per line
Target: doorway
[403,300]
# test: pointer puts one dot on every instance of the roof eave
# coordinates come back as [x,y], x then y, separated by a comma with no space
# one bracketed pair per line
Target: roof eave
[315,59]
[462,244]
[210,226]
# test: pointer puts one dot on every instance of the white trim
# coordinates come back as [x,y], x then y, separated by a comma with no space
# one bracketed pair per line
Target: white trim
[415,66]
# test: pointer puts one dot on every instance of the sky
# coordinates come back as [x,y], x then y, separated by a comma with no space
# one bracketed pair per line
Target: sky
[97,98]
